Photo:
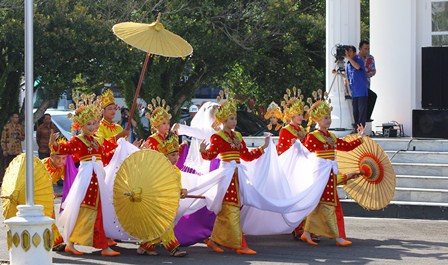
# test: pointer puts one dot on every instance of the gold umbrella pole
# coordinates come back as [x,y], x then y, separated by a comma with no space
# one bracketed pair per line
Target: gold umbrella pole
[137,92]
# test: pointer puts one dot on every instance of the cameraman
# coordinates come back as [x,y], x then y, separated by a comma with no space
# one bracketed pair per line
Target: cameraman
[124,123]
[369,64]
[357,80]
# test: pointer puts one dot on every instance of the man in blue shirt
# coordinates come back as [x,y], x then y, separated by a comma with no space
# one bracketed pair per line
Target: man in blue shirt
[357,80]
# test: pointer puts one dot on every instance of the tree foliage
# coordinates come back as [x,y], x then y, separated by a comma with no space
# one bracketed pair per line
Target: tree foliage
[255,48]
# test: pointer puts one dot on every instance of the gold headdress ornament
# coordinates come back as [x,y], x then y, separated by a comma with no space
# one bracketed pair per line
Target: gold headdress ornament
[226,107]
[61,139]
[170,144]
[107,98]
[158,112]
[320,108]
[293,103]
[87,109]
[273,111]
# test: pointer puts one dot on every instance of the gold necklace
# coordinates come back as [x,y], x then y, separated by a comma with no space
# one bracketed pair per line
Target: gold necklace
[89,144]
[299,134]
[235,143]
[328,139]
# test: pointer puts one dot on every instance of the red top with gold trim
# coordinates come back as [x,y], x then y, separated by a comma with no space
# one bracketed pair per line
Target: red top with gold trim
[325,144]
[83,148]
[230,147]
[154,140]
[288,135]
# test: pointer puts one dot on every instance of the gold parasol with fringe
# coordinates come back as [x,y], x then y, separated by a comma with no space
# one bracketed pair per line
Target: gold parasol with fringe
[151,38]
[13,187]
[376,188]
[146,194]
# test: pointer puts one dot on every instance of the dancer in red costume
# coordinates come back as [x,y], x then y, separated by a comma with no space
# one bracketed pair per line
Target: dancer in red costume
[55,165]
[324,219]
[82,218]
[293,108]
[231,147]
[161,141]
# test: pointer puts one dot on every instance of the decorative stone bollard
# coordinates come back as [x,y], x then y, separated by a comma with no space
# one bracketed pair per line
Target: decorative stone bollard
[30,237]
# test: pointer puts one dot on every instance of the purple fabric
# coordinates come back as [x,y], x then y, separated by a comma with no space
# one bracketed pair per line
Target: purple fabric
[198,226]
[183,156]
[70,173]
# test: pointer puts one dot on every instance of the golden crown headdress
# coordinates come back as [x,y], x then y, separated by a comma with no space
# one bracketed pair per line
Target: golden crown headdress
[107,98]
[293,103]
[226,107]
[158,112]
[273,110]
[169,145]
[88,108]
[61,139]
[321,107]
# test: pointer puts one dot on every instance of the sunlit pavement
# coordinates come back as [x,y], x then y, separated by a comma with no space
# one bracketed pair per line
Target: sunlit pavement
[375,241]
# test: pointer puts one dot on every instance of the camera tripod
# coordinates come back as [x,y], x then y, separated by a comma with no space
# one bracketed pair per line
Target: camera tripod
[338,76]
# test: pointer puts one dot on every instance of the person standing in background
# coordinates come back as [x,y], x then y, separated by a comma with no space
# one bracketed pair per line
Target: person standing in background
[369,64]
[108,128]
[273,115]
[357,80]
[12,136]
[124,123]
[43,136]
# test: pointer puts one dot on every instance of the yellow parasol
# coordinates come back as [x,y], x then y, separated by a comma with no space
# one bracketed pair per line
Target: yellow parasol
[146,197]
[376,188]
[13,187]
[154,39]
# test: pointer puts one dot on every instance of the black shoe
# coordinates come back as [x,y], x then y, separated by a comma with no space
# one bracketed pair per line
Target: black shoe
[179,253]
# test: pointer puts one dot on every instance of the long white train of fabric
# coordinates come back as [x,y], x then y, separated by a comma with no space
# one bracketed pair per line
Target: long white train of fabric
[277,193]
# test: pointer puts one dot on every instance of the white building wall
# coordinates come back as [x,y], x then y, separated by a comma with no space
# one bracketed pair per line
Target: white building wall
[394,43]
[343,27]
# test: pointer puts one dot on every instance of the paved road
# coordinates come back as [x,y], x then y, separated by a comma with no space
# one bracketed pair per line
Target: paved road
[375,241]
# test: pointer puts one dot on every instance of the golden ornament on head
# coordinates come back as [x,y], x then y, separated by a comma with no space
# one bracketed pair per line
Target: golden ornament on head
[107,98]
[88,108]
[273,110]
[227,108]
[159,112]
[321,108]
[169,145]
[293,103]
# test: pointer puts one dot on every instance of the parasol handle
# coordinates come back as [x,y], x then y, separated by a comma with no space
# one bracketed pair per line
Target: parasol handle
[135,195]
[195,197]
[137,92]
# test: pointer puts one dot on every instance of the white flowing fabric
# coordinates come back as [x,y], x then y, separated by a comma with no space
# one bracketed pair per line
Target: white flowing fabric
[276,204]
[112,227]
[77,192]
[200,129]
[277,194]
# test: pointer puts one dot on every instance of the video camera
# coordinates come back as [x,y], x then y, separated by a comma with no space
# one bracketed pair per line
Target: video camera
[340,52]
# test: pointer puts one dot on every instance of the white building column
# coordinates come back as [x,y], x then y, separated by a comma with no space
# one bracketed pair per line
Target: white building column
[393,43]
[342,27]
